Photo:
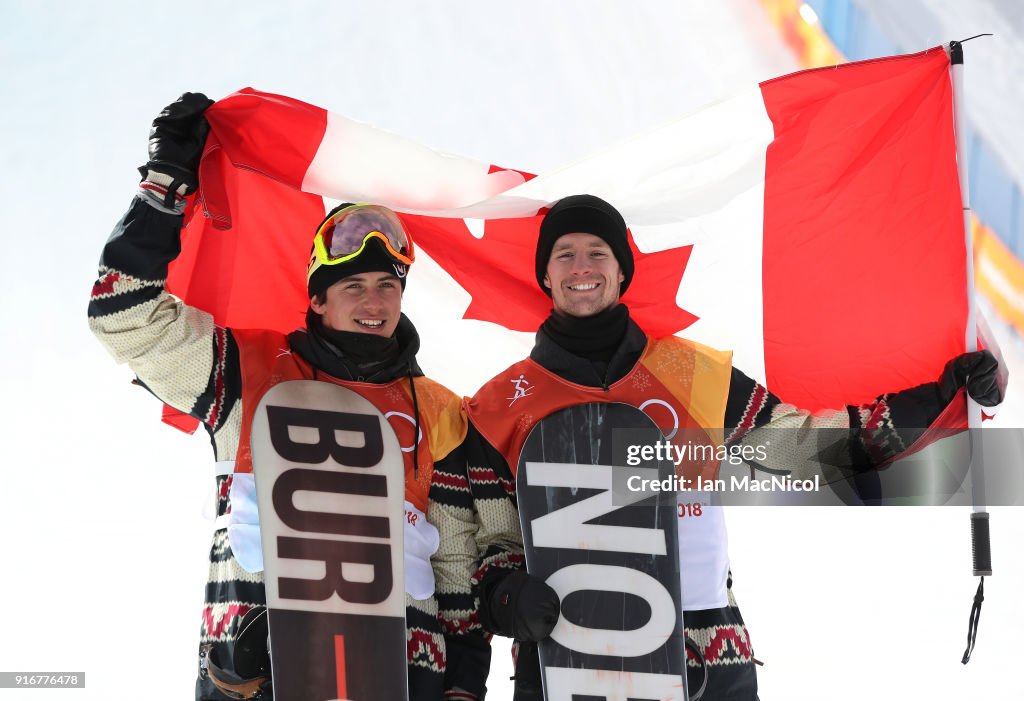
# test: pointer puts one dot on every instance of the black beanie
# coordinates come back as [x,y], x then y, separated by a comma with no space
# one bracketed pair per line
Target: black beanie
[374,258]
[589,215]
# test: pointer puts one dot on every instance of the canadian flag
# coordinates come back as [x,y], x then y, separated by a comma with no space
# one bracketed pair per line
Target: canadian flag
[812,225]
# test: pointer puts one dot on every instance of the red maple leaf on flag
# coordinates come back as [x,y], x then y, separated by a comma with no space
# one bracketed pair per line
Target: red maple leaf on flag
[497,270]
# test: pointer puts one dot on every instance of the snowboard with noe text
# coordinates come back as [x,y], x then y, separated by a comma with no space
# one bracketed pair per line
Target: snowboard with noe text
[330,482]
[612,557]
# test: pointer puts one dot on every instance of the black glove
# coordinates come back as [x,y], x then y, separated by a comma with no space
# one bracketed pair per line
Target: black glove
[520,606]
[977,370]
[176,142]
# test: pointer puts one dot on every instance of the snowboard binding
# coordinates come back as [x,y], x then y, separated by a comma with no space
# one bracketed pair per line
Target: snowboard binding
[251,661]
[703,664]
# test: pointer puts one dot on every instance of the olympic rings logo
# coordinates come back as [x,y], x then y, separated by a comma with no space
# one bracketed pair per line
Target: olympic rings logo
[412,422]
[662,402]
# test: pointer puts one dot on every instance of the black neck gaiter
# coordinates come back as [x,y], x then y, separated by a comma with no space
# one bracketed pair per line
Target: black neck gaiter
[592,337]
[363,349]
[349,354]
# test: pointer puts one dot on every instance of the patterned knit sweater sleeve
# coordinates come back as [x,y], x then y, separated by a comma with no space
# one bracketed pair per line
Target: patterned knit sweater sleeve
[177,351]
[452,511]
[859,437]
[499,539]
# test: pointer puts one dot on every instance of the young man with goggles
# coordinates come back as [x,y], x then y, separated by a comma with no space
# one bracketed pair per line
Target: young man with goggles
[355,336]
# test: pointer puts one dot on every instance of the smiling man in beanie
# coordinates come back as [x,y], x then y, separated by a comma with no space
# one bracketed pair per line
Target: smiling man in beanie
[589,225]
[589,350]
[355,336]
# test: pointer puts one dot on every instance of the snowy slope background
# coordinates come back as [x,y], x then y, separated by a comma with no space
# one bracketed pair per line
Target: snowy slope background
[101,506]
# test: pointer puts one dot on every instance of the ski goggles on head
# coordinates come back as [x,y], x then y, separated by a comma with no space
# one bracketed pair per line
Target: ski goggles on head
[343,236]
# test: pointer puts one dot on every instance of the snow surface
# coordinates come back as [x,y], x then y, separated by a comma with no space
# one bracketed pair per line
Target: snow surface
[101,506]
